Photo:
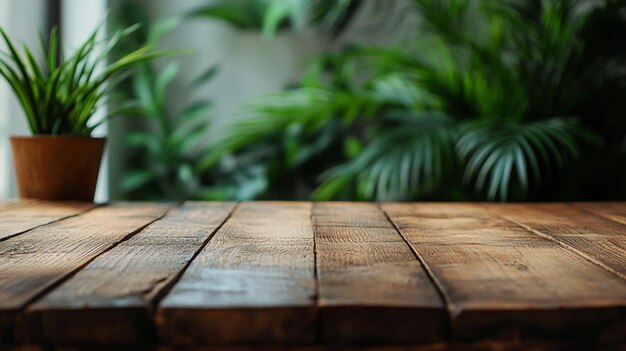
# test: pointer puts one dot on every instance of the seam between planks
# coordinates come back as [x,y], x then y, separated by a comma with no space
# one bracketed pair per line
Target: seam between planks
[48,223]
[596,213]
[166,289]
[20,317]
[443,294]
[561,243]
[316,298]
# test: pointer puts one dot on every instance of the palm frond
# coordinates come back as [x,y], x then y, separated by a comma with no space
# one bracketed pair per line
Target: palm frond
[399,163]
[503,156]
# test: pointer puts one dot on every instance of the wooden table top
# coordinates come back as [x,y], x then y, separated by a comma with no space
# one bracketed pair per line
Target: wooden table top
[424,276]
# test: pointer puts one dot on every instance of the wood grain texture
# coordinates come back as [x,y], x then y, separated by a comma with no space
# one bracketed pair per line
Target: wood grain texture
[110,301]
[349,214]
[323,276]
[614,211]
[369,280]
[13,203]
[252,284]
[596,238]
[504,282]
[33,262]
[428,347]
[19,216]
[518,345]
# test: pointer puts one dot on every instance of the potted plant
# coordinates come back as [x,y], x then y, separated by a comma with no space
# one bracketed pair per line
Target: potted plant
[59,96]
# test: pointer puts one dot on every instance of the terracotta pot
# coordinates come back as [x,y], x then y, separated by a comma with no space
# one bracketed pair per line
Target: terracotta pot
[57,167]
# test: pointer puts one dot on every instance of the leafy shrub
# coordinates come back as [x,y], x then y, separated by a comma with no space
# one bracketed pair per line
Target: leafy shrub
[489,100]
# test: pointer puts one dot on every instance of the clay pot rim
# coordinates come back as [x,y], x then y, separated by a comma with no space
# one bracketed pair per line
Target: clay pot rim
[53,137]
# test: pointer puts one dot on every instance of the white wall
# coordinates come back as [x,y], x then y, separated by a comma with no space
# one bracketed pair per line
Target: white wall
[22,20]
[4,125]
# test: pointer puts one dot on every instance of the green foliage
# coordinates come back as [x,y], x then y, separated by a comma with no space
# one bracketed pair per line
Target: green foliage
[166,146]
[271,16]
[166,149]
[484,102]
[242,14]
[170,144]
[59,96]
[411,153]
[495,153]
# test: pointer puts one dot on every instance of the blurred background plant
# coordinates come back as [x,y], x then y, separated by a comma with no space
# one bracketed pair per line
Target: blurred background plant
[495,100]
[271,16]
[166,144]
[163,150]
[504,100]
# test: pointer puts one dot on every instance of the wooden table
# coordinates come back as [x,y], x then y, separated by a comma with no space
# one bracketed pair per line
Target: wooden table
[423,276]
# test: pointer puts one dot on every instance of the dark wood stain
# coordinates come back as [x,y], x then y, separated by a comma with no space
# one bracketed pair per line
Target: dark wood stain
[369,280]
[505,282]
[36,261]
[312,276]
[252,284]
[110,301]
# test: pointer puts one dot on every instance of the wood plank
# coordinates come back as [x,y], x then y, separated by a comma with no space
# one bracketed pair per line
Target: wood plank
[13,203]
[24,215]
[253,283]
[532,345]
[504,282]
[369,280]
[110,301]
[35,261]
[559,345]
[349,214]
[598,239]
[427,347]
[615,211]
